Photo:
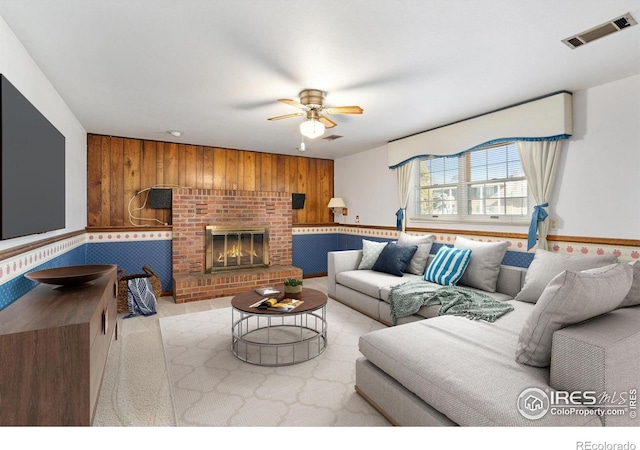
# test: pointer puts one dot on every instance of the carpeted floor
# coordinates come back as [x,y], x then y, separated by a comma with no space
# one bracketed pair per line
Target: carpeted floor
[211,387]
[136,389]
[136,393]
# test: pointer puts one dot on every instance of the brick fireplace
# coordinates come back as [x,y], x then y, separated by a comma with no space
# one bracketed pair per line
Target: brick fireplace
[196,209]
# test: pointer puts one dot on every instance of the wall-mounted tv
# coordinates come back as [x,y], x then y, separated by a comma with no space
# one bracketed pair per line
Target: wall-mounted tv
[32,168]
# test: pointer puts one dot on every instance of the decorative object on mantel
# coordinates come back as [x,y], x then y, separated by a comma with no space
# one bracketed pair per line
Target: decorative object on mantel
[70,276]
[336,204]
[292,286]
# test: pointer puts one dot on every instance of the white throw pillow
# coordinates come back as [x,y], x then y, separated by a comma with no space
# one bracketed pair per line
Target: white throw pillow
[569,298]
[484,266]
[370,252]
[546,265]
[418,263]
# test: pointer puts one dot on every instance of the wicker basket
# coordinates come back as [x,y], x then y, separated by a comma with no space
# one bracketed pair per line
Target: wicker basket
[156,284]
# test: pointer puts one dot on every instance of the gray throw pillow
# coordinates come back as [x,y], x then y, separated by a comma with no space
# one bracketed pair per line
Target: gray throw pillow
[546,265]
[370,252]
[484,266]
[418,263]
[569,298]
[633,297]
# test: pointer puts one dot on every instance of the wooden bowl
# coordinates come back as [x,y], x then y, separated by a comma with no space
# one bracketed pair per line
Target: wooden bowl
[70,275]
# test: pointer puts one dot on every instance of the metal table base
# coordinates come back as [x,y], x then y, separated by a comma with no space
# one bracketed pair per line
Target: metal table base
[281,339]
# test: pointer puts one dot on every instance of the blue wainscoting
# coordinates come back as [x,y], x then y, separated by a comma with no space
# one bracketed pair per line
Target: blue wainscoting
[20,285]
[309,252]
[129,256]
[132,255]
[511,258]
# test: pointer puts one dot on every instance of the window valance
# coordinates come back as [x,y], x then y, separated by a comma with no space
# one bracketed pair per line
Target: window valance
[548,118]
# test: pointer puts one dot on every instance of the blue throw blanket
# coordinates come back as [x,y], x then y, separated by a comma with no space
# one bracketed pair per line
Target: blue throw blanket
[140,297]
[406,299]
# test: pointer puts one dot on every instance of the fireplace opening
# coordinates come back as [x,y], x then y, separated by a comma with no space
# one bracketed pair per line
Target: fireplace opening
[236,247]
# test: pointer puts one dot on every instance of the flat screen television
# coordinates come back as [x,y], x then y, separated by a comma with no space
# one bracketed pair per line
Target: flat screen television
[32,168]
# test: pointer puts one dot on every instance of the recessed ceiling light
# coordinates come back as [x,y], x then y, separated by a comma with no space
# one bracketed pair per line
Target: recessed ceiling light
[175,133]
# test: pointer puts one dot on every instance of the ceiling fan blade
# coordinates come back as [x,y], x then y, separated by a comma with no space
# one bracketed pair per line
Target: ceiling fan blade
[344,110]
[286,116]
[328,123]
[293,103]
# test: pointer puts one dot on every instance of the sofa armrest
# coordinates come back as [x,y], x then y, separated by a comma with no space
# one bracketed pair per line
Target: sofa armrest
[600,355]
[341,262]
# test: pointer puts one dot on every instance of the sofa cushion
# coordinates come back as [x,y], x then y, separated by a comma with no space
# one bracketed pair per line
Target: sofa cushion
[368,282]
[418,263]
[546,265]
[633,297]
[447,266]
[394,259]
[484,265]
[570,297]
[464,368]
[370,252]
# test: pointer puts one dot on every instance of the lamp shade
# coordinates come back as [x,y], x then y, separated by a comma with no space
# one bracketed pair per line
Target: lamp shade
[336,202]
[312,128]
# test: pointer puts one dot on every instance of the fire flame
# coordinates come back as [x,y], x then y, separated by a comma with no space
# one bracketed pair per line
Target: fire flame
[235,252]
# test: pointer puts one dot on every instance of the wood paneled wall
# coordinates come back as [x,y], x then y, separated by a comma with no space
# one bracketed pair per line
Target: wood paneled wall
[118,168]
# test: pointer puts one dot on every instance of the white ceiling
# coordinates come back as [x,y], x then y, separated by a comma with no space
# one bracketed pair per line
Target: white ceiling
[214,69]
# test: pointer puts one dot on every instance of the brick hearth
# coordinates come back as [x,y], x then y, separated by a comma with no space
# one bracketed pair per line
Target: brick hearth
[194,209]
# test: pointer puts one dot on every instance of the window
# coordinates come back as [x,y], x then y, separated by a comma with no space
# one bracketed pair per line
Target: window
[486,184]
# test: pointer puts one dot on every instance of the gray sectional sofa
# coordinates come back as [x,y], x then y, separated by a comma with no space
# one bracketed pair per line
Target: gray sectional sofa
[368,291]
[520,370]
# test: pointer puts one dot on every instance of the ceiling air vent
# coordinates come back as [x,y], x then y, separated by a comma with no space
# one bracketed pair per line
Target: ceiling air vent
[333,137]
[605,29]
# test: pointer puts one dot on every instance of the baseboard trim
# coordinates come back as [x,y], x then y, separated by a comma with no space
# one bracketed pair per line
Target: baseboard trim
[314,275]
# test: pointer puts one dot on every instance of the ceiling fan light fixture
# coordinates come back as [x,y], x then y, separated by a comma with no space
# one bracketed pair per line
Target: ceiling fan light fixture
[312,128]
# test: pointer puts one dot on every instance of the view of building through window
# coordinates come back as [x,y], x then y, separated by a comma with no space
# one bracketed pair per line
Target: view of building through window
[486,182]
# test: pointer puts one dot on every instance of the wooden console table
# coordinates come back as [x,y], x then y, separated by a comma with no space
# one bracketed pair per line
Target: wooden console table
[54,344]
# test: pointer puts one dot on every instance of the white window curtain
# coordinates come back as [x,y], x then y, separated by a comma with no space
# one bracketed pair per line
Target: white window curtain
[403,175]
[539,161]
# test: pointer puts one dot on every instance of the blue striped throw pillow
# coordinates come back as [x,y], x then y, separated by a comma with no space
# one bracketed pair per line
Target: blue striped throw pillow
[448,266]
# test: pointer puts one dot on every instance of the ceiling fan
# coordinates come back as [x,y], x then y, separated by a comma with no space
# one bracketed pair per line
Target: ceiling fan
[312,105]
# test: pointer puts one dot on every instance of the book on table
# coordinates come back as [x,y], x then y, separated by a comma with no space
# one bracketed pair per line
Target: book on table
[267,291]
[274,304]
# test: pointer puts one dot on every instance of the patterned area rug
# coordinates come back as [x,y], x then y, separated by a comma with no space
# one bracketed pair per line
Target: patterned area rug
[211,387]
